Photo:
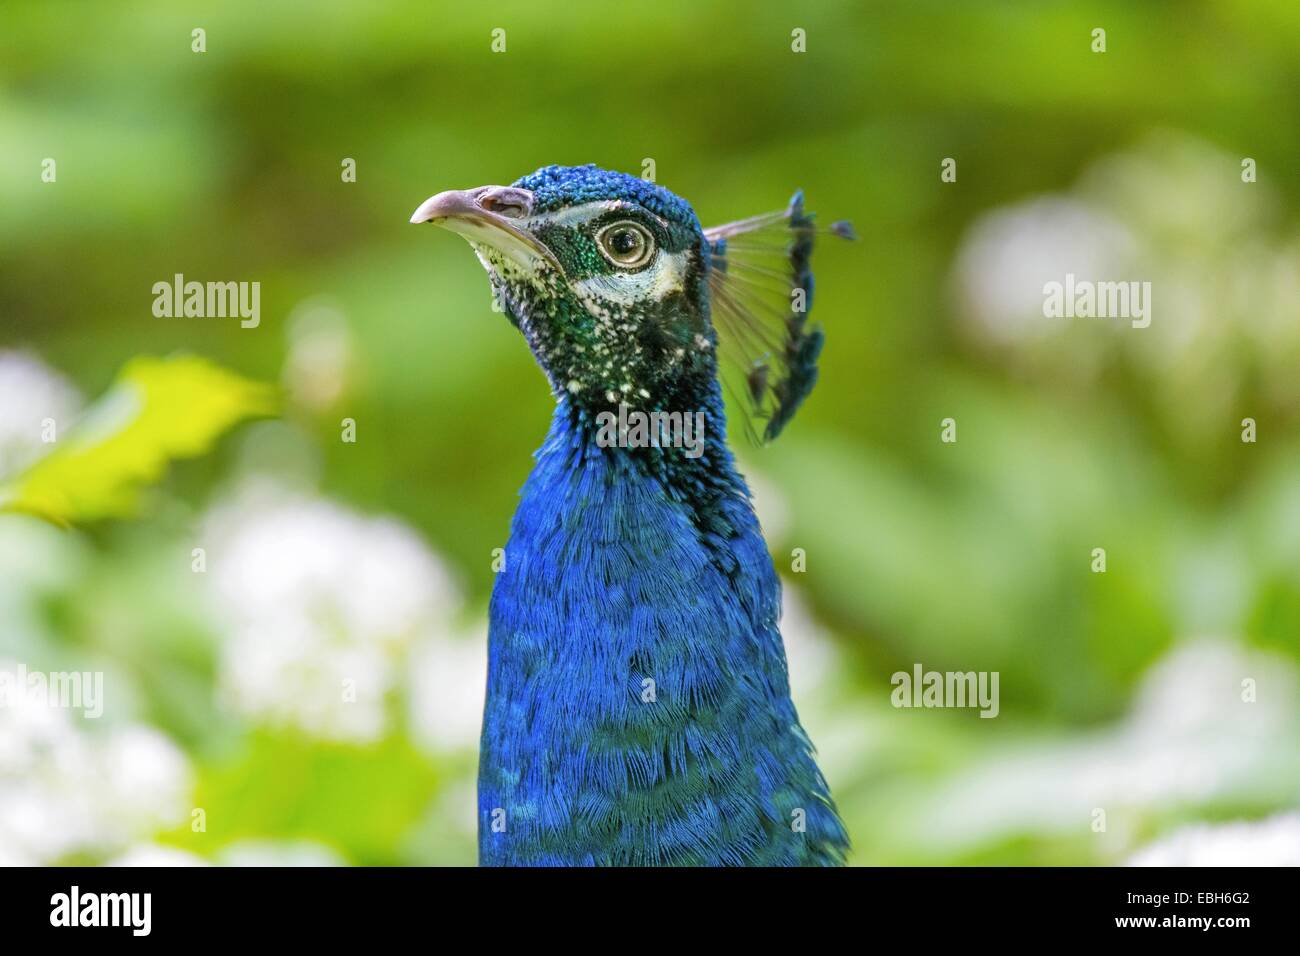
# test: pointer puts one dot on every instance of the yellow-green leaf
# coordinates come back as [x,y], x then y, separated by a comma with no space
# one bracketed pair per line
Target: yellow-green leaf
[159,409]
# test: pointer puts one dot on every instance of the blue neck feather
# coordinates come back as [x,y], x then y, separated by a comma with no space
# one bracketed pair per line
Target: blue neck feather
[638,708]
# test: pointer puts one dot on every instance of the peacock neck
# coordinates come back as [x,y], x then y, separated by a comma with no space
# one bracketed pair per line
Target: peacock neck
[683,450]
[638,709]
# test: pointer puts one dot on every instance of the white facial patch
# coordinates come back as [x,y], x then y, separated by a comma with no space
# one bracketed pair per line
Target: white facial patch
[665,275]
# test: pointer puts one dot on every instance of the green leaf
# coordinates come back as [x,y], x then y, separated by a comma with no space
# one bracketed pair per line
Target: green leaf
[362,800]
[158,410]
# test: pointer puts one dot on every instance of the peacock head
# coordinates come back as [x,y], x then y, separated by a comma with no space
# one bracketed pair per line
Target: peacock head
[602,272]
[612,282]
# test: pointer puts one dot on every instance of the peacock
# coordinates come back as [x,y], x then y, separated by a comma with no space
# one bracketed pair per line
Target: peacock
[638,707]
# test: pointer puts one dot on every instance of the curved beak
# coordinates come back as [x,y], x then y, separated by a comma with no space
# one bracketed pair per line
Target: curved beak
[489,216]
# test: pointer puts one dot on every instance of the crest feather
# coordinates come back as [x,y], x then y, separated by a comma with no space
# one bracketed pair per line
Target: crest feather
[761,290]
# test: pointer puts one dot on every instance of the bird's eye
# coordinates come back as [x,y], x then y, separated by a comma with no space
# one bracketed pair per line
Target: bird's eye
[627,244]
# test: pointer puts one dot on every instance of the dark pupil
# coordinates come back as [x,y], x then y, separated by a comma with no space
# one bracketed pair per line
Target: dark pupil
[624,242]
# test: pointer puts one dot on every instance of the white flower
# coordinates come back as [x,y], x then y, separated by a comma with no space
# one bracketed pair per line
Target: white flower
[448,682]
[282,672]
[320,606]
[30,393]
[69,788]
[810,653]
[1271,842]
[279,853]
[1223,280]
[1191,739]
[770,505]
[151,854]
[243,853]
[1010,254]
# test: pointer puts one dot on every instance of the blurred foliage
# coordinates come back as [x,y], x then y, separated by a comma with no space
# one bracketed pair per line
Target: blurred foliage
[226,165]
[157,411]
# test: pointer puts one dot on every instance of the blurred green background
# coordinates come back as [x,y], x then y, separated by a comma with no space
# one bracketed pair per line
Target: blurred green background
[370,562]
